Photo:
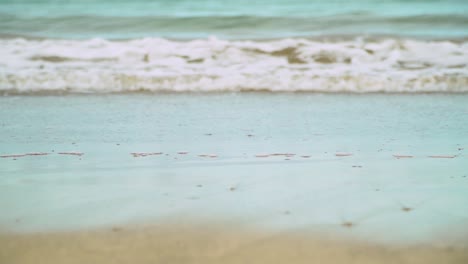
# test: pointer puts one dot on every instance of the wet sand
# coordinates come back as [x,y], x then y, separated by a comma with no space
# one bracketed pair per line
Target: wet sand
[214,244]
[319,180]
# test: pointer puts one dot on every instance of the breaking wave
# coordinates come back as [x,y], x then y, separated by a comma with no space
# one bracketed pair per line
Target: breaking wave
[284,65]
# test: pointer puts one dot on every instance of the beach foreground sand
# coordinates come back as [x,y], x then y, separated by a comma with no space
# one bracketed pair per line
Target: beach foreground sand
[183,244]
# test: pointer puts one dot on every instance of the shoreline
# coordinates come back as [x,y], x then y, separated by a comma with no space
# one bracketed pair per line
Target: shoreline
[58,93]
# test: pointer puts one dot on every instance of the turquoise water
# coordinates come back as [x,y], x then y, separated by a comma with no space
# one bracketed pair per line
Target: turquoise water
[233,19]
[314,189]
[311,46]
[204,93]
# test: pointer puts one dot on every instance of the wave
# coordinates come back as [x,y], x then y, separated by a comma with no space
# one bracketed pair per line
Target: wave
[283,65]
[233,27]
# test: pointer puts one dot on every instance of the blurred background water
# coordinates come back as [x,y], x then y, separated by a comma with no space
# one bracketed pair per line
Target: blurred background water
[316,46]
[232,19]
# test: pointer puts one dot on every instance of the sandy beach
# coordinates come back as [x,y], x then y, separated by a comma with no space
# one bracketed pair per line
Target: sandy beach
[215,244]
[247,131]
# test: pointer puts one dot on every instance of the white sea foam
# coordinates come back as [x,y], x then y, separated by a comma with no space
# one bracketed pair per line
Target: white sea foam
[155,64]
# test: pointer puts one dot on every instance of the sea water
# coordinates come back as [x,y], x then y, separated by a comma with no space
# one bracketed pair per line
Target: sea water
[215,159]
[332,46]
[278,114]
[232,19]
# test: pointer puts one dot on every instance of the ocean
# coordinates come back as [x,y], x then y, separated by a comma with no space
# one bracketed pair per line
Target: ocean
[331,120]
[259,19]
[333,46]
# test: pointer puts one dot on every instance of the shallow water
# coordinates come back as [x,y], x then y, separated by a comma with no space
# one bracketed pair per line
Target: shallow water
[406,200]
